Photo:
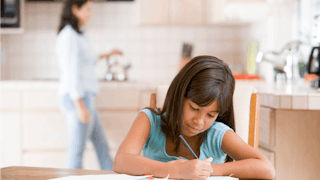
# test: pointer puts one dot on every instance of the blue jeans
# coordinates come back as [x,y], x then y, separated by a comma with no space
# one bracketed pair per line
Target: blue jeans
[78,133]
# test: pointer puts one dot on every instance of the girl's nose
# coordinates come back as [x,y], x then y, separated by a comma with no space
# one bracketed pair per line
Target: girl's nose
[199,121]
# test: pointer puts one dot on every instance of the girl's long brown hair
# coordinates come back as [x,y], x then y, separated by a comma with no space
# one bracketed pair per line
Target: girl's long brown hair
[203,80]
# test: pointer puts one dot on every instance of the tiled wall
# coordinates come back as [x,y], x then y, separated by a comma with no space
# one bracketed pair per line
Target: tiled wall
[153,51]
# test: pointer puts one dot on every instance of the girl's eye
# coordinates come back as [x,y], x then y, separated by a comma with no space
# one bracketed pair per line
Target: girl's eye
[211,116]
[194,108]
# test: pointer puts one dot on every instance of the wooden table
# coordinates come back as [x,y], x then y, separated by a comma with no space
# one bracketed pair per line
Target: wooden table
[35,173]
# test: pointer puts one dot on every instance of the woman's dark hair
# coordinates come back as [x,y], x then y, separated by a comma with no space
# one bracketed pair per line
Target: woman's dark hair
[67,16]
[203,80]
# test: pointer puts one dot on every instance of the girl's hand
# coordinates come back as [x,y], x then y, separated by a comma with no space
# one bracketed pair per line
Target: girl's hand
[195,169]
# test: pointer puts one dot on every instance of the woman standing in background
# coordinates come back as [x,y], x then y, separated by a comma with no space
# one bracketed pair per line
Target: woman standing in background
[78,85]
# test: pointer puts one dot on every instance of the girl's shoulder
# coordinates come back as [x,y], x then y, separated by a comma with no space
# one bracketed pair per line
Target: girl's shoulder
[219,126]
[154,119]
[218,129]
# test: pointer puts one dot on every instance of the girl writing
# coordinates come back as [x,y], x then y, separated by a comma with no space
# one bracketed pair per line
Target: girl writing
[198,106]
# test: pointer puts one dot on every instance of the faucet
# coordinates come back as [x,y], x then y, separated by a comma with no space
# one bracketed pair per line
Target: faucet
[283,60]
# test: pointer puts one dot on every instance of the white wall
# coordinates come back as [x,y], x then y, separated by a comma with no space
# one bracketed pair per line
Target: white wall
[154,51]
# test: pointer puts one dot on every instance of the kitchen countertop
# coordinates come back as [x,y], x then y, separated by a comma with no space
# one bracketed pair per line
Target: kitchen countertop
[298,96]
[53,84]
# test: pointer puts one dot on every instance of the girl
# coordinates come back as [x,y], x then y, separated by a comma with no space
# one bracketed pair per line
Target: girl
[78,85]
[199,106]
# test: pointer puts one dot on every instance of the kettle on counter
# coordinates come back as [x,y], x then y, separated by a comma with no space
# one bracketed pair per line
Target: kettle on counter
[313,66]
[117,69]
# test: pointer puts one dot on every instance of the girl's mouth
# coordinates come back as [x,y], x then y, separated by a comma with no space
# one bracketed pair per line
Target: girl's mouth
[196,130]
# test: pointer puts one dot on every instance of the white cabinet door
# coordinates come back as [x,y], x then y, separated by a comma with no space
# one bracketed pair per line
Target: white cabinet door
[236,11]
[11,142]
[153,12]
[190,12]
[117,125]
[44,130]
[10,100]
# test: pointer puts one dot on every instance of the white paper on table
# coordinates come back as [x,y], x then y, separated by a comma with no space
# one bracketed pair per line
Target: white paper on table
[106,177]
[128,177]
[221,178]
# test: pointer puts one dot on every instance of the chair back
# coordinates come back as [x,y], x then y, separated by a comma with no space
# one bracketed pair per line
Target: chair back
[246,106]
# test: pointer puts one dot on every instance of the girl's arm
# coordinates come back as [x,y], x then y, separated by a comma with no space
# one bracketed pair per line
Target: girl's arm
[250,163]
[128,159]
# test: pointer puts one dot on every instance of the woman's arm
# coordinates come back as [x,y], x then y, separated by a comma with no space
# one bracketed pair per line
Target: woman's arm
[114,52]
[82,111]
[250,163]
[128,159]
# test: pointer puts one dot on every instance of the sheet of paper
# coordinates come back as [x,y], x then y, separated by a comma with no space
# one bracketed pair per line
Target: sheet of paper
[221,178]
[106,177]
[128,177]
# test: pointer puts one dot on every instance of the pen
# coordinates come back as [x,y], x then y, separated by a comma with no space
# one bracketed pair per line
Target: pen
[187,145]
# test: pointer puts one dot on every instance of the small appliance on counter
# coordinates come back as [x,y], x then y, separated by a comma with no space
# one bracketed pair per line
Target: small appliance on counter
[117,69]
[313,66]
[186,54]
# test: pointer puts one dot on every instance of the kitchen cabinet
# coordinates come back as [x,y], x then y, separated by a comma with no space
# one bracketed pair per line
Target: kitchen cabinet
[289,129]
[11,142]
[34,131]
[153,12]
[236,11]
[201,12]
[191,12]
[267,133]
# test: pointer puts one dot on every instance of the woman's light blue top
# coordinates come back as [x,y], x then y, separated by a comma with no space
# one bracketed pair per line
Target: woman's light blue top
[76,61]
[155,147]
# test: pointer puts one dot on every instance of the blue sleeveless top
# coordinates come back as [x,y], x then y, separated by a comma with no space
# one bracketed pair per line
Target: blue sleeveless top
[155,147]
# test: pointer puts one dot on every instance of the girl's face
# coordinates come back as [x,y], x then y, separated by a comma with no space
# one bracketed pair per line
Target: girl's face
[83,14]
[198,119]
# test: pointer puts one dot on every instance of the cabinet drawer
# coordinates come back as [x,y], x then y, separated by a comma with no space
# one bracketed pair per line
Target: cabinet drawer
[10,100]
[118,99]
[267,126]
[269,155]
[45,99]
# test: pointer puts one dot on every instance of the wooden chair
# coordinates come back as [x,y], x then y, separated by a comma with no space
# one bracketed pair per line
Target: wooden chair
[246,105]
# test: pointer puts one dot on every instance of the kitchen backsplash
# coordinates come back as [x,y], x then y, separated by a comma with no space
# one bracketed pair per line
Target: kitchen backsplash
[153,51]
